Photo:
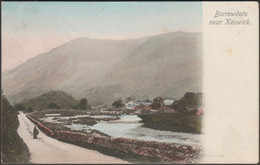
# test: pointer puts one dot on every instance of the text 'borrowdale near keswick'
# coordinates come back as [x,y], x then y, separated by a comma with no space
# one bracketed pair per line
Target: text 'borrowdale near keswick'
[230,18]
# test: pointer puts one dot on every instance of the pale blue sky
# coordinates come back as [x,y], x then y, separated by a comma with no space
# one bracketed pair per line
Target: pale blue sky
[101,19]
[31,28]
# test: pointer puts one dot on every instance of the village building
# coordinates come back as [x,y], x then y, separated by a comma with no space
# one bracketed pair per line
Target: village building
[166,106]
[129,105]
[168,101]
[144,105]
[132,104]
[138,105]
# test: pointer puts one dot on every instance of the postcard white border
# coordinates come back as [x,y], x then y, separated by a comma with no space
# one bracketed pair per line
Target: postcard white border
[231,84]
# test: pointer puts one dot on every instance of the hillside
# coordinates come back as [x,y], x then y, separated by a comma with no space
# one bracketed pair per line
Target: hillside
[60,98]
[13,149]
[67,67]
[167,65]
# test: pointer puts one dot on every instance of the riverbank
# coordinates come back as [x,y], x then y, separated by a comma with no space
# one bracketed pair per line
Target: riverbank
[136,151]
[49,150]
[173,122]
[117,126]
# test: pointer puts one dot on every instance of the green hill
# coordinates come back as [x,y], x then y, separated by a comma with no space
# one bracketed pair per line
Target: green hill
[13,149]
[51,99]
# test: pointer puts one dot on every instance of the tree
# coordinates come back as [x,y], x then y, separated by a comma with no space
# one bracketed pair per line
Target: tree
[147,100]
[128,99]
[83,104]
[105,106]
[75,107]
[190,102]
[53,106]
[19,107]
[118,103]
[157,103]
[29,109]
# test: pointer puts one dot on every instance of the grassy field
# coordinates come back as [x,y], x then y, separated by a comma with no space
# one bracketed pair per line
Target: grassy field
[173,122]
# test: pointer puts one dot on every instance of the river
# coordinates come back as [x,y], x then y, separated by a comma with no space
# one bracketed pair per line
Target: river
[128,126]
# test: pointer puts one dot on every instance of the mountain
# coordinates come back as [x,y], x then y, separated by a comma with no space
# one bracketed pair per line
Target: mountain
[67,67]
[166,65]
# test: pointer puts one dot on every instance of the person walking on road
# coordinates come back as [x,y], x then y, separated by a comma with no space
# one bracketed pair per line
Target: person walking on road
[35,132]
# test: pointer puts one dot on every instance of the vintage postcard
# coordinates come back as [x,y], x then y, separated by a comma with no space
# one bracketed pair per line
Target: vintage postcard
[129,82]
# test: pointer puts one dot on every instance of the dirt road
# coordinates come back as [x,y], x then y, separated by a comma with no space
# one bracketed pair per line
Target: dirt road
[49,150]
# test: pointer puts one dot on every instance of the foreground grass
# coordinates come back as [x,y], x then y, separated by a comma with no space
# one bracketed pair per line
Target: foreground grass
[173,122]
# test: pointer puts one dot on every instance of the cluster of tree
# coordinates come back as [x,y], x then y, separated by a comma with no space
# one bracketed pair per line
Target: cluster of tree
[175,122]
[27,108]
[189,103]
[118,104]
[52,100]
[157,103]
[13,149]
[128,99]
[53,105]
[82,105]
[22,107]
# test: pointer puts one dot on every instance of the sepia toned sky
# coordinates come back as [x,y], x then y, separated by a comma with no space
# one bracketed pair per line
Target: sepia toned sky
[31,28]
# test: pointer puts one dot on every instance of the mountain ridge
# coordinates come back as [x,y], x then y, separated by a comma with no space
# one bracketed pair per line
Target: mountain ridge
[197,62]
[95,68]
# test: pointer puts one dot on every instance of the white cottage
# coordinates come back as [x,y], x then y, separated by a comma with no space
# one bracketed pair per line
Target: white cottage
[168,101]
[130,105]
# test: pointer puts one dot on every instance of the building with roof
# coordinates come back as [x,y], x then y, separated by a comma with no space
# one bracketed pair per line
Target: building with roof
[168,101]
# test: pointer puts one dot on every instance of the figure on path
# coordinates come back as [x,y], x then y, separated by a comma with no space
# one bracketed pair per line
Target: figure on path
[35,132]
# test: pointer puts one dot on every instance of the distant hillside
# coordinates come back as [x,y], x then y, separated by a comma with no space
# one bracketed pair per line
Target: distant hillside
[67,67]
[166,65]
[13,149]
[60,98]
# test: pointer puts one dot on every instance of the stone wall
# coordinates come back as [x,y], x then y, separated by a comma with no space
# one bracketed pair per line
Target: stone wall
[163,151]
[43,128]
